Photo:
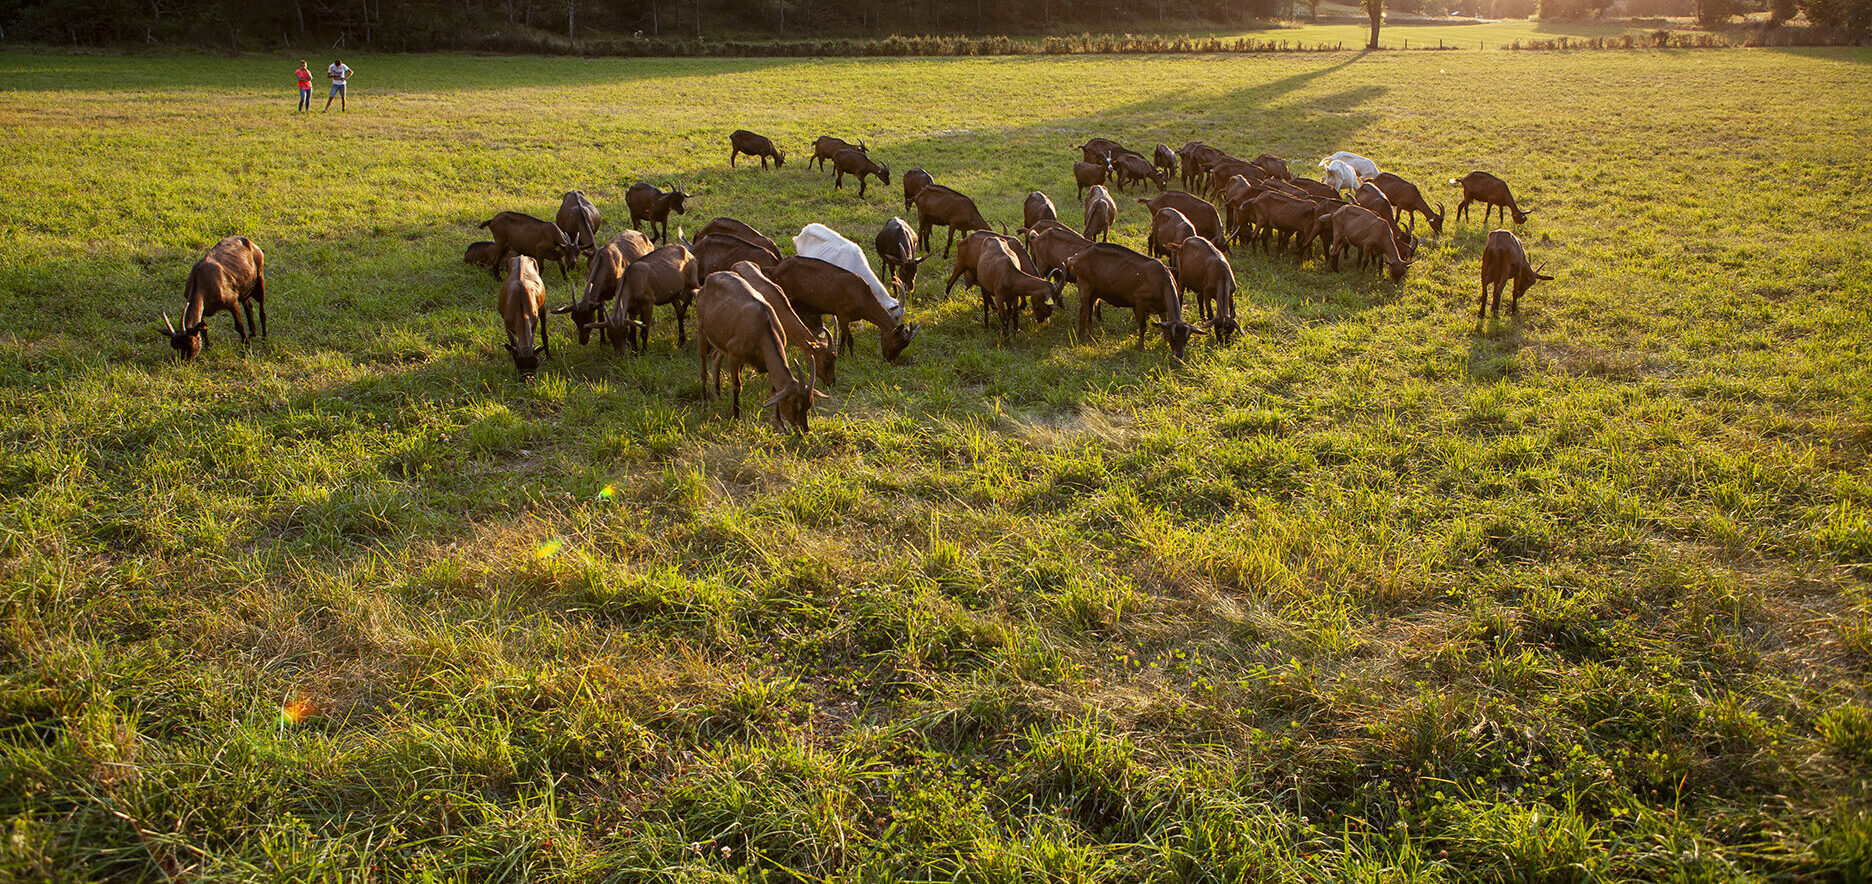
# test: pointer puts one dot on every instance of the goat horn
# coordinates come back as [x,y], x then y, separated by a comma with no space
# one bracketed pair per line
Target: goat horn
[167,321]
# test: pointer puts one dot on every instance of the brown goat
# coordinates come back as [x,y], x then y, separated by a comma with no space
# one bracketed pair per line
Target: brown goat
[1405,198]
[1090,175]
[741,141]
[1101,212]
[1167,226]
[735,227]
[1317,188]
[897,249]
[1273,212]
[1164,158]
[1115,274]
[968,262]
[1202,270]
[1371,233]
[720,251]
[1052,244]
[1200,212]
[523,310]
[1491,192]
[852,161]
[231,277]
[517,233]
[1275,166]
[1037,208]
[669,275]
[1003,281]
[1098,150]
[825,147]
[1196,158]
[937,204]
[580,220]
[818,348]
[816,288]
[647,203]
[603,280]
[1504,261]
[1132,168]
[482,254]
[737,326]
[914,181]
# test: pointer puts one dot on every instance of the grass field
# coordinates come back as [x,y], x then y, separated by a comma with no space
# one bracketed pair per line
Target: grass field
[1370,594]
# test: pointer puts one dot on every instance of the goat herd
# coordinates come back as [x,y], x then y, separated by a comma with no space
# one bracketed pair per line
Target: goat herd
[751,302]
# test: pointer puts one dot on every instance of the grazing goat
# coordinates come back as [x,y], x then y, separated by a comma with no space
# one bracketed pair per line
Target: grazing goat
[721,251]
[741,141]
[1003,281]
[1316,188]
[825,147]
[1164,158]
[735,227]
[523,309]
[897,250]
[1341,176]
[669,275]
[816,288]
[1274,212]
[231,277]
[1098,150]
[914,181]
[737,326]
[1115,274]
[482,254]
[1370,198]
[1361,167]
[1090,175]
[1168,226]
[1037,208]
[1491,192]
[1504,261]
[968,262]
[647,203]
[1101,212]
[580,221]
[1405,197]
[1273,165]
[937,204]
[1132,168]
[1371,233]
[852,161]
[1200,212]
[818,348]
[1196,158]
[517,233]
[604,279]
[1052,244]
[1203,270]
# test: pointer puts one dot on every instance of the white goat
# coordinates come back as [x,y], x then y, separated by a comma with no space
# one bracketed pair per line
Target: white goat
[1339,176]
[1366,169]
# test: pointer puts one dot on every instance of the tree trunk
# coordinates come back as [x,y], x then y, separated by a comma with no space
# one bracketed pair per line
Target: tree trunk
[698,20]
[572,22]
[656,27]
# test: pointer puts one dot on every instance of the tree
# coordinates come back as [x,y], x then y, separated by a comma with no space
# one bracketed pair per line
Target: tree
[1375,10]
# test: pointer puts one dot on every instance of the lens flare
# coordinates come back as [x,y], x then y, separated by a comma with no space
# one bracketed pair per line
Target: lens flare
[607,493]
[548,549]
[297,711]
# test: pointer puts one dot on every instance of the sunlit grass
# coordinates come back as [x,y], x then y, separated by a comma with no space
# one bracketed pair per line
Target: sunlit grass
[1370,593]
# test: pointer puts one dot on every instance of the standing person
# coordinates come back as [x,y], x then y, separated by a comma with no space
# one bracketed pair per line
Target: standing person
[338,74]
[305,87]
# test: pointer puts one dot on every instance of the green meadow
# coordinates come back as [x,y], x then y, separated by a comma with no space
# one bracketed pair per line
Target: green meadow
[1371,594]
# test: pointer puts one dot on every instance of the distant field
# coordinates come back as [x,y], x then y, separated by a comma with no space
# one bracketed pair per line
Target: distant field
[1370,594]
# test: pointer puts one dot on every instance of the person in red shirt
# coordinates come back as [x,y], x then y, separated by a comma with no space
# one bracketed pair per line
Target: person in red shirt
[305,88]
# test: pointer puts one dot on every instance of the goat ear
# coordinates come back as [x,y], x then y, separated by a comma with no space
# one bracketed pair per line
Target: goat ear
[561,311]
[1543,276]
[1162,324]
[774,399]
[510,349]
[1198,330]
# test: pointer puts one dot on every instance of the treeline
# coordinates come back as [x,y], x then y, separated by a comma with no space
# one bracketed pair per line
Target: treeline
[711,27]
[418,25]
